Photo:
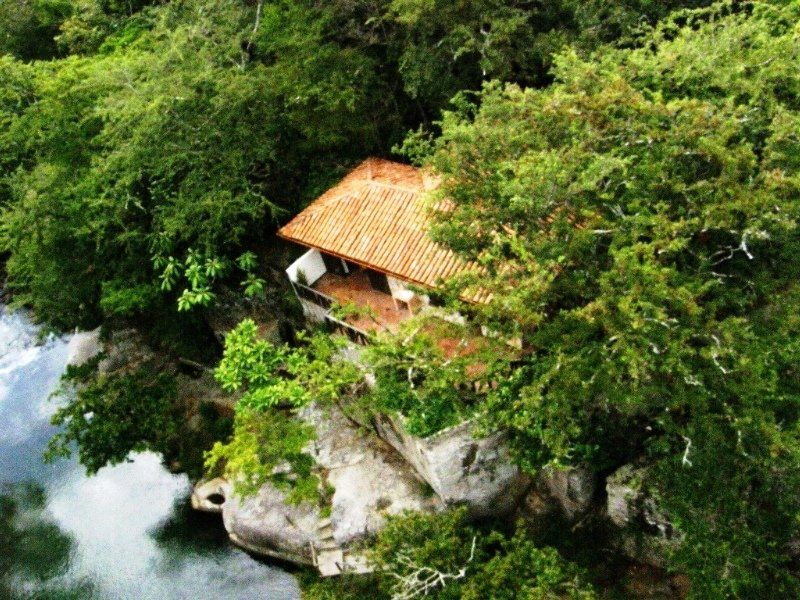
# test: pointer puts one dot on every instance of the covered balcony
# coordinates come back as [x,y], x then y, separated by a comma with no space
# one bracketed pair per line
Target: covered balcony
[351,298]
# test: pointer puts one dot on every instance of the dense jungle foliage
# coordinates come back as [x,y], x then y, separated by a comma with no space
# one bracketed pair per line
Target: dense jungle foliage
[162,135]
[637,223]
[626,173]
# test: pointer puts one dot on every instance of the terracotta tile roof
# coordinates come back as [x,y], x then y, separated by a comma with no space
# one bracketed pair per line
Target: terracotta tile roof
[376,216]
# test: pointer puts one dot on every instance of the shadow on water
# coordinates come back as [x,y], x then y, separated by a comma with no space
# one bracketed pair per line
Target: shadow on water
[191,530]
[33,549]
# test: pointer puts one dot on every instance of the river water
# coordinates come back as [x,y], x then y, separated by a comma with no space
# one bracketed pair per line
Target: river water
[126,533]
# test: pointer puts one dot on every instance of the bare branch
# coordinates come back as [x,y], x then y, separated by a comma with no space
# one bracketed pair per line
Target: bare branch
[249,48]
[685,460]
[659,322]
[692,380]
[715,356]
[742,247]
[423,580]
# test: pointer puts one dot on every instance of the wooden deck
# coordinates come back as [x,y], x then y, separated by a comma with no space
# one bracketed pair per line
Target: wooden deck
[355,289]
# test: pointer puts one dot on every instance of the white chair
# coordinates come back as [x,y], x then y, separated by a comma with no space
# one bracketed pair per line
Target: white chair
[404,296]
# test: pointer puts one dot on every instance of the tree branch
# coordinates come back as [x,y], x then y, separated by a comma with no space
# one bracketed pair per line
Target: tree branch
[423,580]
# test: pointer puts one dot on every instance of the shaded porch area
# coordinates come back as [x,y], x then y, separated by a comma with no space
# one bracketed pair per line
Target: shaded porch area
[372,310]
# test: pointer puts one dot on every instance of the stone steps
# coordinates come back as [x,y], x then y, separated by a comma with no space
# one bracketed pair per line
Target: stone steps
[335,562]
[328,556]
[326,538]
[330,562]
[326,545]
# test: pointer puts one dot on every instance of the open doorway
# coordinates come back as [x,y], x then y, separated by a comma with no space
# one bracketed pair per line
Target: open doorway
[378,281]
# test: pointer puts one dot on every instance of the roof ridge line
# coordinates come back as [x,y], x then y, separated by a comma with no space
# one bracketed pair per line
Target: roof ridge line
[394,186]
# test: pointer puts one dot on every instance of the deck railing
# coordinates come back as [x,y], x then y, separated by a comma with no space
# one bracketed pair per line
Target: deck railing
[326,303]
[354,334]
[312,295]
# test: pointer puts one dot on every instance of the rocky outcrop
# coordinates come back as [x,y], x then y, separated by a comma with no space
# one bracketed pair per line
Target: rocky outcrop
[372,477]
[624,494]
[126,350]
[559,495]
[644,532]
[231,307]
[209,496]
[267,525]
[369,480]
[204,389]
[462,469]
[570,489]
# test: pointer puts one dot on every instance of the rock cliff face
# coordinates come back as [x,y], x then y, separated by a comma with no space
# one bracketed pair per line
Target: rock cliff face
[558,497]
[370,482]
[461,469]
[644,532]
[125,349]
[369,479]
[84,346]
[570,490]
[231,307]
[266,524]
[374,476]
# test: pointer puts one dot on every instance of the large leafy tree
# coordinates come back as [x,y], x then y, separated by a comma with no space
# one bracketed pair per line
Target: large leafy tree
[436,48]
[191,131]
[182,130]
[637,225]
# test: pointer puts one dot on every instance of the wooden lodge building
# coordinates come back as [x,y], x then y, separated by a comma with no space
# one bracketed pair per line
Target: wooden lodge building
[367,241]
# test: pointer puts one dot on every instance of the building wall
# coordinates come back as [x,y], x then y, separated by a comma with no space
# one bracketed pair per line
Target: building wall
[396,285]
[311,264]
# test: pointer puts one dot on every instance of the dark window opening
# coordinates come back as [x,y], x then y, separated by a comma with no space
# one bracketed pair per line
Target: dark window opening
[379,281]
[333,264]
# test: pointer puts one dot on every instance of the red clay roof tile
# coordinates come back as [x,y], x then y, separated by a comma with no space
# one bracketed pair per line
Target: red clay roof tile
[376,216]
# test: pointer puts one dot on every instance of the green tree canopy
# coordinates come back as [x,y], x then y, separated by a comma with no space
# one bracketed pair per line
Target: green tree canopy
[196,129]
[28,27]
[188,128]
[637,225]
[442,556]
[436,48]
